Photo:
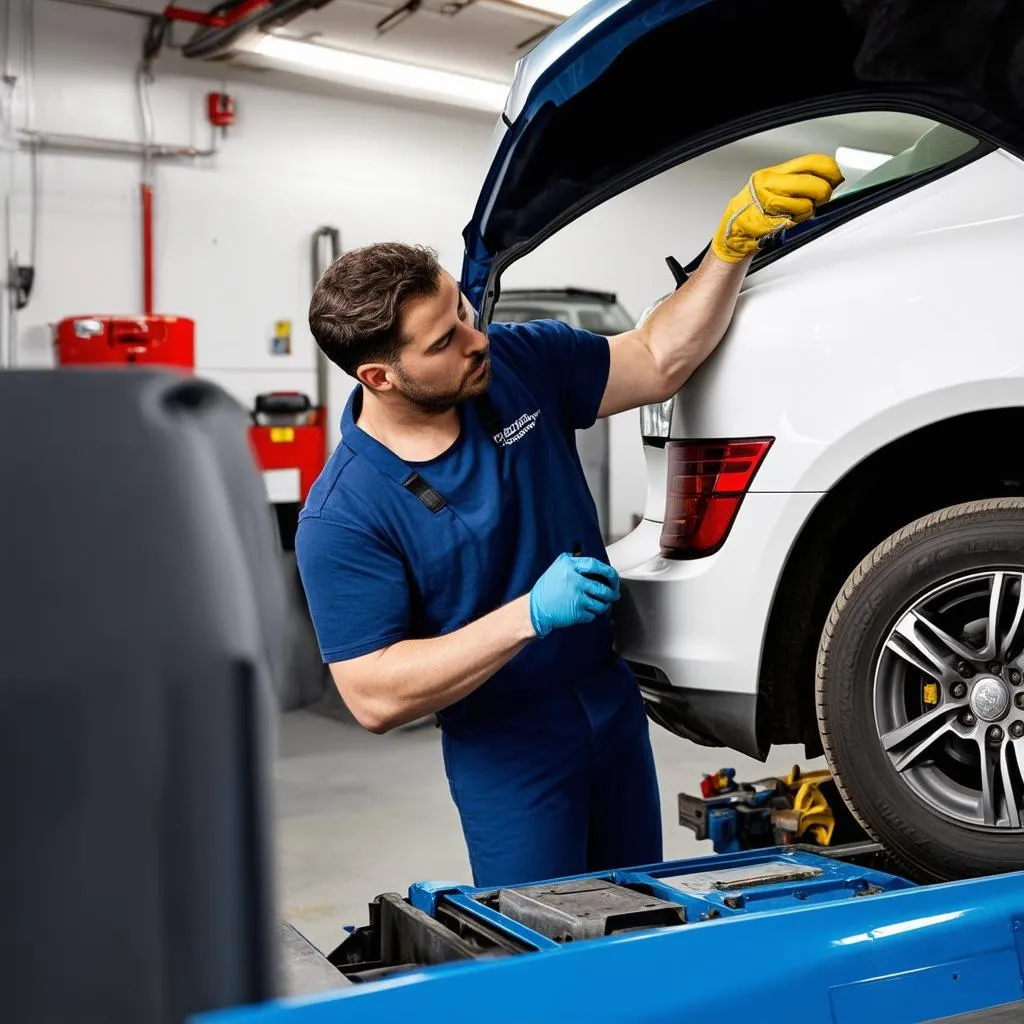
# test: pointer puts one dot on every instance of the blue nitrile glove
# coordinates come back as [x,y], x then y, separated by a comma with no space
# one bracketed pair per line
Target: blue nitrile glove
[564,596]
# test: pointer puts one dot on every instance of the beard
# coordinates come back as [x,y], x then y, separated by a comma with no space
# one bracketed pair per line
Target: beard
[434,401]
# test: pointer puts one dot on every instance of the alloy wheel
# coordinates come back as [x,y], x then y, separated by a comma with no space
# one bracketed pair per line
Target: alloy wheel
[949,699]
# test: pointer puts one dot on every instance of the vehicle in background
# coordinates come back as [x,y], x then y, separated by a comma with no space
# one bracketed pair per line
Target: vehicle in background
[601,313]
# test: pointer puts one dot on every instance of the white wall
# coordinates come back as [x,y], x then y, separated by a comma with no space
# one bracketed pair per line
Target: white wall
[232,233]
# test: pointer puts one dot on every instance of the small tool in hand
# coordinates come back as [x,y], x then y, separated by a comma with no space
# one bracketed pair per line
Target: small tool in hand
[577,552]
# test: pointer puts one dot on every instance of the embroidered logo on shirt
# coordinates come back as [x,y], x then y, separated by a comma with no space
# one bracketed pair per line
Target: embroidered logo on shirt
[517,431]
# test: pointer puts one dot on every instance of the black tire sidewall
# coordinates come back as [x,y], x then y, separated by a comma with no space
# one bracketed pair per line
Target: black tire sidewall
[923,559]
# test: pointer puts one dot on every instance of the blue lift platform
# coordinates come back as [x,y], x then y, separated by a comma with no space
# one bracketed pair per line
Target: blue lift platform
[781,933]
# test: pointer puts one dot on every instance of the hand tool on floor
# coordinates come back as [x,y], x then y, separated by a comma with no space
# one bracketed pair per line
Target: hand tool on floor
[803,807]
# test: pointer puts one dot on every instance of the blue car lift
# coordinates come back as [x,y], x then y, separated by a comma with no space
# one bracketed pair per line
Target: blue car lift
[785,931]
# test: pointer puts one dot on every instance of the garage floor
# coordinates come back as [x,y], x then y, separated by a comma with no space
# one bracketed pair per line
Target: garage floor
[359,814]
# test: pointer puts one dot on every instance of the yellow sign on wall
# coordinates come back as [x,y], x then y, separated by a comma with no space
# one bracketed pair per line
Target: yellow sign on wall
[282,342]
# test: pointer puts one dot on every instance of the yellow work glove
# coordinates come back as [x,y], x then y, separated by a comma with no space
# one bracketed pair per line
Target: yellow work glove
[773,199]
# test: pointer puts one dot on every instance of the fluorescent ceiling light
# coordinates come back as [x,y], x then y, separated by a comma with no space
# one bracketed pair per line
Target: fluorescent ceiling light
[860,159]
[389,75]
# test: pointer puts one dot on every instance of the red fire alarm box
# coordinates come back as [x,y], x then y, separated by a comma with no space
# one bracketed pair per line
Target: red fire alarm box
[220,109]
[145,340]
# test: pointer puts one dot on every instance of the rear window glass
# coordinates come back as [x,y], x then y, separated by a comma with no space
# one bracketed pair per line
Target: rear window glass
[884,151]
[938,145]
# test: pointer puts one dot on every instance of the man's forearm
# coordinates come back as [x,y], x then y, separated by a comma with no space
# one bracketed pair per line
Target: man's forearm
[684,330]
[653,361]
[414,678]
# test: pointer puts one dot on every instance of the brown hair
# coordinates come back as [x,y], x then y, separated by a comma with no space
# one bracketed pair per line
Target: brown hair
[357,304]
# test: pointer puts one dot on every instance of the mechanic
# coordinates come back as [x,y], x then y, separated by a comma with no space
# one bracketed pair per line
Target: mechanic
[450,550]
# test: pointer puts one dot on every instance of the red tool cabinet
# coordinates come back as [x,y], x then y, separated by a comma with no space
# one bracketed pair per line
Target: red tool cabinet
[288,433]
[167,341]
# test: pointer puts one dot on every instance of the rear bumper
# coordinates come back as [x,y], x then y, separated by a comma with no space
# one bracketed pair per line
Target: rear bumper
[708,717]
[694,630]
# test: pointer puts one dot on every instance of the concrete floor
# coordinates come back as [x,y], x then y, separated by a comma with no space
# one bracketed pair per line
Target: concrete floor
[359,814]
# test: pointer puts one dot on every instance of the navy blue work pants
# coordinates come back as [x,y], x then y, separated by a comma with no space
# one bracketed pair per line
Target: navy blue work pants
[566,789]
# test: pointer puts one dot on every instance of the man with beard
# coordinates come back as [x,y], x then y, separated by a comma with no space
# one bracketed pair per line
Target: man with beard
[451,553]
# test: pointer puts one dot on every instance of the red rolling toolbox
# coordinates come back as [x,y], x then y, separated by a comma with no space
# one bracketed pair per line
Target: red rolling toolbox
[288,435]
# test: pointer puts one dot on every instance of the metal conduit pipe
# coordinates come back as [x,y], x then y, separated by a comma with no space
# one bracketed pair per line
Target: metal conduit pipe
[217,41]
[326,249]
[110,5]
[111,147]
[147,150]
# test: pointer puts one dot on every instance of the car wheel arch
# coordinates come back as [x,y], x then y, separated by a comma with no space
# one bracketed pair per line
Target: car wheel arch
[944,462]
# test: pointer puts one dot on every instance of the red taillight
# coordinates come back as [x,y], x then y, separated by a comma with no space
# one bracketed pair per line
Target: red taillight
[706,483]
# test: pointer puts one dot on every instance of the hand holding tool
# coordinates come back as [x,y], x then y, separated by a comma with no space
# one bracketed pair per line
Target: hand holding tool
[773,199]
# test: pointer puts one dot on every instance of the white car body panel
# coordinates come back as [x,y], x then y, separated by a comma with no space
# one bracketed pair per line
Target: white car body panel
[905,316]
[683,616]
[902,317]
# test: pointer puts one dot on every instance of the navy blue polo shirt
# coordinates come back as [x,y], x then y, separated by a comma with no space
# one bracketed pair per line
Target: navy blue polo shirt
[379,566]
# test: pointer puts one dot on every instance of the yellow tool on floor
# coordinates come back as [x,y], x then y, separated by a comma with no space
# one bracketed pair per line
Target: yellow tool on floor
[803,807]
[810,819]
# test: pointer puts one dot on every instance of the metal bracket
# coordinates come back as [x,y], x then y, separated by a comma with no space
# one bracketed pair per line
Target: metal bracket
[19,282]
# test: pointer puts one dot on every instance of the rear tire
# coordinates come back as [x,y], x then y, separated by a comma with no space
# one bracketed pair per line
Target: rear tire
[952,545]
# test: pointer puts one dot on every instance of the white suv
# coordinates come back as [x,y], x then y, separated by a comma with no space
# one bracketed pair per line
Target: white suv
[833,543]
[832,550]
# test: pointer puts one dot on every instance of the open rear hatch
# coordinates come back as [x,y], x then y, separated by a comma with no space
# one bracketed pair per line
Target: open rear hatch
[625,90]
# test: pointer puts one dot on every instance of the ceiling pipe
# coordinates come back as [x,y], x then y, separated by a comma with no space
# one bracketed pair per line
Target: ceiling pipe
[109,5]
[397,16]
[208,19]
[216,30]
[215,39]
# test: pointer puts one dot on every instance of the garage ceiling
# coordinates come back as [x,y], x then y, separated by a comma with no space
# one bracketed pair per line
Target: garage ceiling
[481,38]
